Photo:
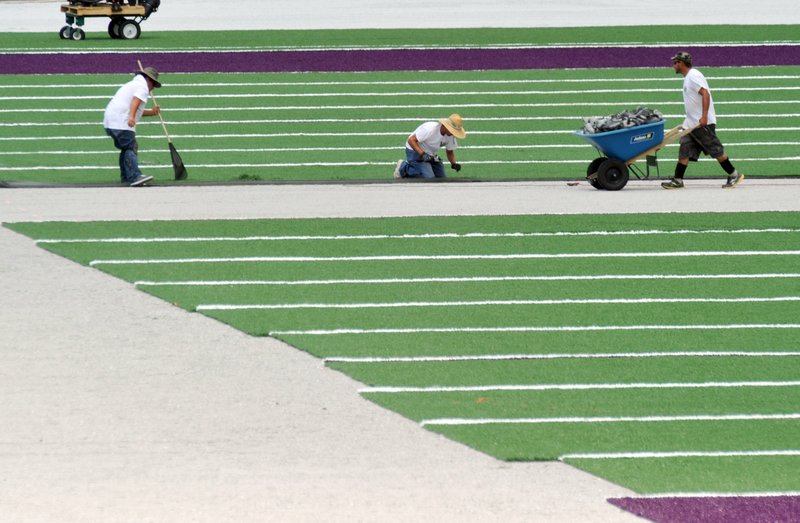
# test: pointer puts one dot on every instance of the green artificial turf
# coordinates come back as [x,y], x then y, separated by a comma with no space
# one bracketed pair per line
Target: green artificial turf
[551,367]
[312,127]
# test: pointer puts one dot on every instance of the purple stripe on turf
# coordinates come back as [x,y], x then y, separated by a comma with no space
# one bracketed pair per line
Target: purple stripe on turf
[396,59]
[767,509]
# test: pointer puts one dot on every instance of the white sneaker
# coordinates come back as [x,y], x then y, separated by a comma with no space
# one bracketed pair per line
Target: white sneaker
[141,180]
[397,169]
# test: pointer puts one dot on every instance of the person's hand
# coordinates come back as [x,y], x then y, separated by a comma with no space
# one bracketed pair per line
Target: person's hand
[456,167]
[703,121]
[131,123]
[156,110]
[427,158]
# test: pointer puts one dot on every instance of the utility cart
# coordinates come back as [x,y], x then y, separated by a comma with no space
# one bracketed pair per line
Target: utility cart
[126,17]
[622,148]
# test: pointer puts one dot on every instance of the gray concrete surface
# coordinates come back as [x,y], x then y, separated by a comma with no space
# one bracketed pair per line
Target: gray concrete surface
[44,15]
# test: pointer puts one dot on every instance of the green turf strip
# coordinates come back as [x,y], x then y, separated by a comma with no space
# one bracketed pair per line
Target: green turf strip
[486,404]
[575,371]
[97,38]
[472,343]
[699,474]
[259,135]
[548,441]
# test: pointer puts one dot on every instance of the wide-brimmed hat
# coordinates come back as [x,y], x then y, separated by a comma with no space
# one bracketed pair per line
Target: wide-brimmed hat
[455,125]
[152,74]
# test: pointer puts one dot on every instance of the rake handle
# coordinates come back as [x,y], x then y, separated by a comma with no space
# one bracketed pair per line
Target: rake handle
[153,96]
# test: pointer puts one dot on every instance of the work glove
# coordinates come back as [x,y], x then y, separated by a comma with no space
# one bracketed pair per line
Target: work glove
[427,158]
[456,167]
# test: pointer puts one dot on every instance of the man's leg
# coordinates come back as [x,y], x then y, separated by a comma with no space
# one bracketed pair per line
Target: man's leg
[414,168]
[125,141]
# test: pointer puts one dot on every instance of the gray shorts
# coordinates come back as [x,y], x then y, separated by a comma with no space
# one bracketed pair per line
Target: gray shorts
[701,140]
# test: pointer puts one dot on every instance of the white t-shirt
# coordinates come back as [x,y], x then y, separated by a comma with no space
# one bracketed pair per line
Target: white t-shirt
[693,101]
[119,108]
[431,139]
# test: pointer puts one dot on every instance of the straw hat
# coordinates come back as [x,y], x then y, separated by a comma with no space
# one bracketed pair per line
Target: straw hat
[152,74]
[455,125]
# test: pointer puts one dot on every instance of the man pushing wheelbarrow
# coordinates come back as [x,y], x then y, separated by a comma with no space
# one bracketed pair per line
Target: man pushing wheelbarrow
[701,116]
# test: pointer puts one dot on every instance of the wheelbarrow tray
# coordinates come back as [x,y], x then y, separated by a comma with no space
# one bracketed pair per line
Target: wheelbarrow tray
[626,144]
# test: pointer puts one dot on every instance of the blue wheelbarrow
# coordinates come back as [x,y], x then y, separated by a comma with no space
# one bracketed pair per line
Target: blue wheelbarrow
[622,148]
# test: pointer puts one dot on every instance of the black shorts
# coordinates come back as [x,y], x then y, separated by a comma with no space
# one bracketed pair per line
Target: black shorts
[701,140]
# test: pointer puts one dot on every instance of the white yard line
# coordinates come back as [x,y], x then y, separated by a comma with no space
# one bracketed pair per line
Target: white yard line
[559,356]
[443,93]
[348,107]
[300,121]
[606,419]
[473,279]
[760,494]
[413,257]
[562,328]
[178,85]
[579,386]
[426,236]
[681,454]
[486,303]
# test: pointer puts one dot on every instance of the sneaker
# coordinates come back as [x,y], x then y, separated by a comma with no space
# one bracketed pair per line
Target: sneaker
[675,183]
[397,173]
[733,180]
[141,180]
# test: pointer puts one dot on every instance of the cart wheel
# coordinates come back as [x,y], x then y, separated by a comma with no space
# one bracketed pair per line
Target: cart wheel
[592,169]
[612,175]
[65,33]
[129,30]
[114,26]
[78,34]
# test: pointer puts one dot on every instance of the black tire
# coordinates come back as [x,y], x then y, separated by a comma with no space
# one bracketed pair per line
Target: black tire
[113,27]
[129,30]
[78,35]
[612,175]
[65,33]
[593,168]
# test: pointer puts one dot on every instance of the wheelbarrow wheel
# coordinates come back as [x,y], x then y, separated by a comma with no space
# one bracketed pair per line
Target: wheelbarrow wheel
[129,30]
[113,27]
[591,171]
[612,175]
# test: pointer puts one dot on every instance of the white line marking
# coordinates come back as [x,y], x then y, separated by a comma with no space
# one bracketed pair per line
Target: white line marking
[608,419]
[468,235]
[301,121]
[660,495]
[486,303]
[681,454]
[560,356]
[413,257]
[418,106]
[367,94]
[495,46]
[598,277]
[565,132]
[328,149]
[410,82]
[340,164]
[564,328]
[578,386]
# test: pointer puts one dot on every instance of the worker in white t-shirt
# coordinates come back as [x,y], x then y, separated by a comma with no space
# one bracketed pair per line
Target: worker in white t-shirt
[422,148]
[701,117]
[122,113]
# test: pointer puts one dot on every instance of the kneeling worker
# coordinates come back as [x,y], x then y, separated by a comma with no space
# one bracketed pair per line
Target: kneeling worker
[123,111]
[423,145]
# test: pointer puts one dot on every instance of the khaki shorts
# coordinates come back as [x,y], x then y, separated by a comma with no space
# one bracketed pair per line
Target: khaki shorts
[701,140]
